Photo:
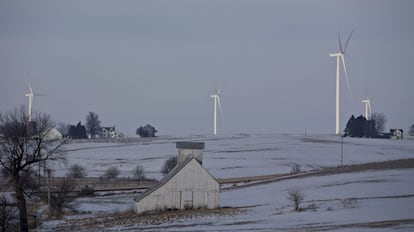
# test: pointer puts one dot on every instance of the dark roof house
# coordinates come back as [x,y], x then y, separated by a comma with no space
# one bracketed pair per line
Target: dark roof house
[146,131]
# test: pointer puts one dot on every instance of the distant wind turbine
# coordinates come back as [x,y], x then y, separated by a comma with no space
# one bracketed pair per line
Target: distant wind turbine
[31,95]
[367,108]
[340,57]
[216,99]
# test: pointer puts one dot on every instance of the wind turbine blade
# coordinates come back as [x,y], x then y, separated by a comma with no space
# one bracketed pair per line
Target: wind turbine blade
[347,41]
[369,106]
[346,77]
[340,43]
[221,109]
[30,88]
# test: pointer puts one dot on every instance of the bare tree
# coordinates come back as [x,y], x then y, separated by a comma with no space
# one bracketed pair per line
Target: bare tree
[379,120]
[139,172]
[111,172]
[63,128]
[8,213]
[296,196]
[22,146]
[411,130]
[93,124]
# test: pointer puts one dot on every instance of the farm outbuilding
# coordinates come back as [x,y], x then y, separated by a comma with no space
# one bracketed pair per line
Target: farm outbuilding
[396,133]
[187,186]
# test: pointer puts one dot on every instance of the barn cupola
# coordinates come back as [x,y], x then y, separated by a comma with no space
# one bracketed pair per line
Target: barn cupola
[190,150]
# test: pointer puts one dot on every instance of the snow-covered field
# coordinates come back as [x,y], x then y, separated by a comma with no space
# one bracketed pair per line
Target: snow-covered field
[380,200]
[235,155]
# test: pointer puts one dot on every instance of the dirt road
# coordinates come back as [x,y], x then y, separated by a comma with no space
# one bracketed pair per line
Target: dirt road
[242,182]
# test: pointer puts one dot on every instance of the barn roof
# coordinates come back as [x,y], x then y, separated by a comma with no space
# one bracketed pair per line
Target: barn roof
[190,145]
[167,178]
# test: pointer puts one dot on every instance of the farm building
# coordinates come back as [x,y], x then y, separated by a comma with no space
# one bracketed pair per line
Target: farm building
[52,134]
[187,186]
[109,132]
[396,133]
[146,131]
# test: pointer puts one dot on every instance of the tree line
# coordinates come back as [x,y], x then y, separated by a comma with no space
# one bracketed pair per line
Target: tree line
[79,131]
[93,128]
[372,128]
[361,127]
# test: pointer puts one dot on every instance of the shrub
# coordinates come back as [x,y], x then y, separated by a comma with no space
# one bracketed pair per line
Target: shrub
[77,171]
[112,172]
[349,203]
[62,197]
[87,191]
[169,165]
[139,172]
[295,169]
[296,196]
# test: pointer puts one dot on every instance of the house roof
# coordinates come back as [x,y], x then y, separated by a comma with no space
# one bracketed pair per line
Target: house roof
[168,177]
[148,126]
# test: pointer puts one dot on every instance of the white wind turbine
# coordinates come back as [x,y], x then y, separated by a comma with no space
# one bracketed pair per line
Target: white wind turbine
[216,99]
[31,95]
[367,108]
[340,58]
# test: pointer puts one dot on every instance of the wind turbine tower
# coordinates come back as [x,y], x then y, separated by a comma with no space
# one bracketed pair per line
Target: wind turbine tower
[340,57]
[216,99]
[367,108]
[30,96]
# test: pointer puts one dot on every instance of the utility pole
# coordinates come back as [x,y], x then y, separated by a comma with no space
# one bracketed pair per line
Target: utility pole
[342,150]
[48,190]
[39,183]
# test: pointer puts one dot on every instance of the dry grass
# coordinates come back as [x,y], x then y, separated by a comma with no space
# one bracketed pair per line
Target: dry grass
[129,218]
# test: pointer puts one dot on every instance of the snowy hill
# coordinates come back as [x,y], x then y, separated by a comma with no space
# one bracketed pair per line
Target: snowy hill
[367,200]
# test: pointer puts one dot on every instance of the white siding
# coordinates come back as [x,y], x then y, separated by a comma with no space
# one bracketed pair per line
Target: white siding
[53,134]
[191,187]
[184,154]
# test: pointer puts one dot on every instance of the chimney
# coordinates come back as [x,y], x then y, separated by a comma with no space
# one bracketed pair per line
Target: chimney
[189,150]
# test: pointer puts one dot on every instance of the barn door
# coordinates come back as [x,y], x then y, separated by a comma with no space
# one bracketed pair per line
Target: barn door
[186,199]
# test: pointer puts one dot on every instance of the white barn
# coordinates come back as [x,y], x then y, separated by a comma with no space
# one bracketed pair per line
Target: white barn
[52,134]
[187,186]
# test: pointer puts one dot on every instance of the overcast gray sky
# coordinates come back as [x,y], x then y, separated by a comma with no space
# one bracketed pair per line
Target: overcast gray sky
[157,62]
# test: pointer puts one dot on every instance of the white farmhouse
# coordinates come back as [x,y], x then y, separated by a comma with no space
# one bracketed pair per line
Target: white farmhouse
[109,132]
[187,186]
[396,133]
